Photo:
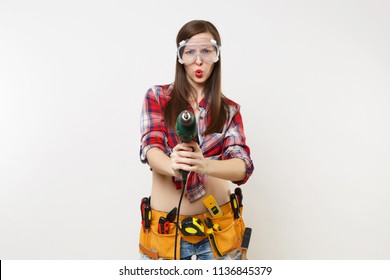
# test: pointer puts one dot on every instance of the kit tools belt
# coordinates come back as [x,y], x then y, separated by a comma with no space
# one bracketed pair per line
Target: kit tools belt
[225,232]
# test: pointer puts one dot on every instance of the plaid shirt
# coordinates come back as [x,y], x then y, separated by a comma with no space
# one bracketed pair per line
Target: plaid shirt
[230,143]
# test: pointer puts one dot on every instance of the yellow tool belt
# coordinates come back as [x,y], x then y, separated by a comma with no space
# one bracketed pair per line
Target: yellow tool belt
[228,238]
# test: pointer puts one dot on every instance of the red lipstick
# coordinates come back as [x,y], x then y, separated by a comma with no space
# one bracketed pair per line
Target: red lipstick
[199,73]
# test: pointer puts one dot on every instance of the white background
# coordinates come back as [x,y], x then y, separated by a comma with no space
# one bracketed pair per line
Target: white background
[313,81]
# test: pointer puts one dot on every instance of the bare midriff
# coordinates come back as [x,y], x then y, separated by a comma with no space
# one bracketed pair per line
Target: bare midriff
[165,196]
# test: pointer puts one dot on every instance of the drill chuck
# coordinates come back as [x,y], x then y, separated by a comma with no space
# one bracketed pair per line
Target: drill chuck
[186,126]
[186,118]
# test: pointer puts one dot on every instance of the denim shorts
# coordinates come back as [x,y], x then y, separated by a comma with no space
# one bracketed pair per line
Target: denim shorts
[200,251]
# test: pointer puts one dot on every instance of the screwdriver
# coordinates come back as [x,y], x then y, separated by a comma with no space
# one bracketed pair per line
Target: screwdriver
[234,204]
[148,216]
[146,212]
[238,193]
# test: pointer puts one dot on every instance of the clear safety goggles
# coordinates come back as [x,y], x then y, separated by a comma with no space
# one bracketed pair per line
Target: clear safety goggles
[189,51]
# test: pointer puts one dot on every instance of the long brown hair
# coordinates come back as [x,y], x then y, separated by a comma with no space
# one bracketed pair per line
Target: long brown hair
[182,88]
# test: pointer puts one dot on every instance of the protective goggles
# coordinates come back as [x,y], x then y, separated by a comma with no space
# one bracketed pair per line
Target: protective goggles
[189,51]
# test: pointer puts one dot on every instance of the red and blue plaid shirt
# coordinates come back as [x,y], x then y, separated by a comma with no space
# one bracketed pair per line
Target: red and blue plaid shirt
[230,143]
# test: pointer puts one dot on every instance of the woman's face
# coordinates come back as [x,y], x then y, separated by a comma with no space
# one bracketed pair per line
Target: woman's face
[200,70]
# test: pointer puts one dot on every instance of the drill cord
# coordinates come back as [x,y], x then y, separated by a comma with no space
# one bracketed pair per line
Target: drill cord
[178,215]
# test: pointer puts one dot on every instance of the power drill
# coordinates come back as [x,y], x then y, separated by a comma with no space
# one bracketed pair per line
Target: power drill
[186,130]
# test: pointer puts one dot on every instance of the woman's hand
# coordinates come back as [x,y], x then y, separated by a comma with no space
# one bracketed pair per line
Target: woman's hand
[188,157]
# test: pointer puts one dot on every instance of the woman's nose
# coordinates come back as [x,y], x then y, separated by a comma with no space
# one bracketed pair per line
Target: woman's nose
[198,60]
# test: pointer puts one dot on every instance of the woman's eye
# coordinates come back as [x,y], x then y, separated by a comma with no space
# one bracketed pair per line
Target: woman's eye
[190,52]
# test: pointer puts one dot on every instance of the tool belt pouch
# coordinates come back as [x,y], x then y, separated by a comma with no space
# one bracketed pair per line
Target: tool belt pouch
[230,236]
[159,246]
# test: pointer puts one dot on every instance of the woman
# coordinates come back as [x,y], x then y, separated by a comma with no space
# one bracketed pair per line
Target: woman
[218,154]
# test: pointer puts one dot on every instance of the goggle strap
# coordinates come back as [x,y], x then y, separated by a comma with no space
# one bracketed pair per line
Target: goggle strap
[212,41]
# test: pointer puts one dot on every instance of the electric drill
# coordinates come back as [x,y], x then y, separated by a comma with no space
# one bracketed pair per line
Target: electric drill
[186,126]
[186,130]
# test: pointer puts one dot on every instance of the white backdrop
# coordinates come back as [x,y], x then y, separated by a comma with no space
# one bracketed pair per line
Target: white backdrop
[313,81]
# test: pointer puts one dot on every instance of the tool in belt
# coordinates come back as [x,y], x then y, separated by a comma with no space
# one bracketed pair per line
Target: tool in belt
[164,222]
[210,232]
[146,213]
[235,206]
[192,226]
[238,193]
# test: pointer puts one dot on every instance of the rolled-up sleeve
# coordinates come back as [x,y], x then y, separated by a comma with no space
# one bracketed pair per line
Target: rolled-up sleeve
[152,126]
[235,146]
